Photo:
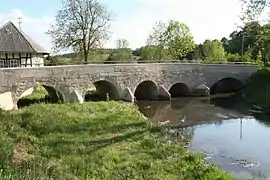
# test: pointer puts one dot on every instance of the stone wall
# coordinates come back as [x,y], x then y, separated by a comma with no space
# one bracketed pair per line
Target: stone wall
[73,81]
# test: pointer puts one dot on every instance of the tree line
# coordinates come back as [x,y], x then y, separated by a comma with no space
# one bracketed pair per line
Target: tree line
[83,26]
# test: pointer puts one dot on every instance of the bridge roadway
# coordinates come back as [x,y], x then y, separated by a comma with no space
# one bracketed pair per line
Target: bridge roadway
[122,81]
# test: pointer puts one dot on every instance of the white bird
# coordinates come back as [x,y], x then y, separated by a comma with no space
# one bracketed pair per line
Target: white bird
[147,107]
[162,123]
[183,120]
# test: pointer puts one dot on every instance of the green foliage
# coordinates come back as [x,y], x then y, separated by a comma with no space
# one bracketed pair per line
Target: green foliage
[253,39]
[233,57]
[178,40]
[151,52]
[258,88]
[123,54]
[105,140]
[253,9]
[210,51]
[174,37]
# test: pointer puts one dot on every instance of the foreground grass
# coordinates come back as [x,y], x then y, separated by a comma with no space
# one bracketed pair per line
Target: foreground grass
[258,88]
[104,140]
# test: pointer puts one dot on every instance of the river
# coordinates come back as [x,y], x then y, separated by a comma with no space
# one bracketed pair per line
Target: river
[226,129]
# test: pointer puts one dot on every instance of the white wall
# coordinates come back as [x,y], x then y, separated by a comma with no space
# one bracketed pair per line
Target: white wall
[37,59]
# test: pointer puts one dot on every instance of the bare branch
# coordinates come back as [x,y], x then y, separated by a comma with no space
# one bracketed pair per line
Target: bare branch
[80,24]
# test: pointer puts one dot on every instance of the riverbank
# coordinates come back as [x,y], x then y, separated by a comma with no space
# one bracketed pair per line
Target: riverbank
[97,140]
[257,89]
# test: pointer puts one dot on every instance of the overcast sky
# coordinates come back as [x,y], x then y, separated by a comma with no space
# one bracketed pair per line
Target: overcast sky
[134,19]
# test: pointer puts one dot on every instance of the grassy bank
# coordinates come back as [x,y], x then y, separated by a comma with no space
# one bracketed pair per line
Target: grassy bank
[101,140]
[258,88]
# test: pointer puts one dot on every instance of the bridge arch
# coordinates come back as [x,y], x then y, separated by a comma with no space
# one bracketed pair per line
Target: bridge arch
[179,90]
[102,90]
[226,85]
[40,93]
[146,90]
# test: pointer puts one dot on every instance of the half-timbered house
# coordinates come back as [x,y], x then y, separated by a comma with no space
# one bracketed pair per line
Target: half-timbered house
[19,50]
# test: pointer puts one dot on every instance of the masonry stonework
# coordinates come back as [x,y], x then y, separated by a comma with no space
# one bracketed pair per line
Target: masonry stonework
[73,81]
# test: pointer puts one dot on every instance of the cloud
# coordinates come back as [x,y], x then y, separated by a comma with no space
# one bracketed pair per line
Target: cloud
[32,26]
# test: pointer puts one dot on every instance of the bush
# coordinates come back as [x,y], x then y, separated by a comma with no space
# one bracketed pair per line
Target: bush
[232,57]
[258,88]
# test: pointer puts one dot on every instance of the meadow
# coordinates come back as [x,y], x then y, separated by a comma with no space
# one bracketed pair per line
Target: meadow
[94,140]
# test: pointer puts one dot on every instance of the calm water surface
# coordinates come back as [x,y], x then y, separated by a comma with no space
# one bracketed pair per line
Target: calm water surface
[226,130]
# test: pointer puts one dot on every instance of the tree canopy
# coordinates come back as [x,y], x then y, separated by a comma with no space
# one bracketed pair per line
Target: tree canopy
[252,9]
[81,25]
[210,51]
[174,37]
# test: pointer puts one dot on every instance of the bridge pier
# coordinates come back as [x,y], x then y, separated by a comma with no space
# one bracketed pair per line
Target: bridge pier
[6,101]
[128,96]
[163,94]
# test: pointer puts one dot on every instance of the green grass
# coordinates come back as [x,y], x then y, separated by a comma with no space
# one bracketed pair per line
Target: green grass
[258,88]
[96,140]
[39,95]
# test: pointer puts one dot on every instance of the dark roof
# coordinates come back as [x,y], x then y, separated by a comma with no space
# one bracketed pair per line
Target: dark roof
[14,40]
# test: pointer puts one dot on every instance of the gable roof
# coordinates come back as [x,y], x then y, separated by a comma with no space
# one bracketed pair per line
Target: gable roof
[14,40]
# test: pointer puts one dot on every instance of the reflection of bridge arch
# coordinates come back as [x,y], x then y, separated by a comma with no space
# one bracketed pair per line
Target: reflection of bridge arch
[226,85]
[146,90]
[180,113]
[179,90]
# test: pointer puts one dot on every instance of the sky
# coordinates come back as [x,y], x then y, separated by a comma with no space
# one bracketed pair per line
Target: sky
[133,19]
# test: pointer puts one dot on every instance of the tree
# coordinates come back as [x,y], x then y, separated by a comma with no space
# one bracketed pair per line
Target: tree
[122,52]
[178,40]
[80,24]
[198,52]
[251,9]
[156,38]
[212,51]
[244,40]
[175,38]
[263,42]
[151,52]
[122,43]
[120,55]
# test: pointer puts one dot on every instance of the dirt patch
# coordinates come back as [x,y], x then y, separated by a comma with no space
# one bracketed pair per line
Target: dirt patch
[20,154]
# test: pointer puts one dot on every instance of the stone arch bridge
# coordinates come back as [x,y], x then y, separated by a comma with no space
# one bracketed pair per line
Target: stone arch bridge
[122,81]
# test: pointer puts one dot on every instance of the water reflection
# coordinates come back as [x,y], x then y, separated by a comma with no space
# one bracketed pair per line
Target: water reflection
[232,134]
[186,112]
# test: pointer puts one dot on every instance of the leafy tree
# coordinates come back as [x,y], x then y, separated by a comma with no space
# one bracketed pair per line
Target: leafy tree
[173,37]
[81,25]
[151,52]
[122,43]
[122,53]
[245,40]
[252,9]
[156,38]
[233,57]
[178,40]
[263,42]
[198,52]
[210,51]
